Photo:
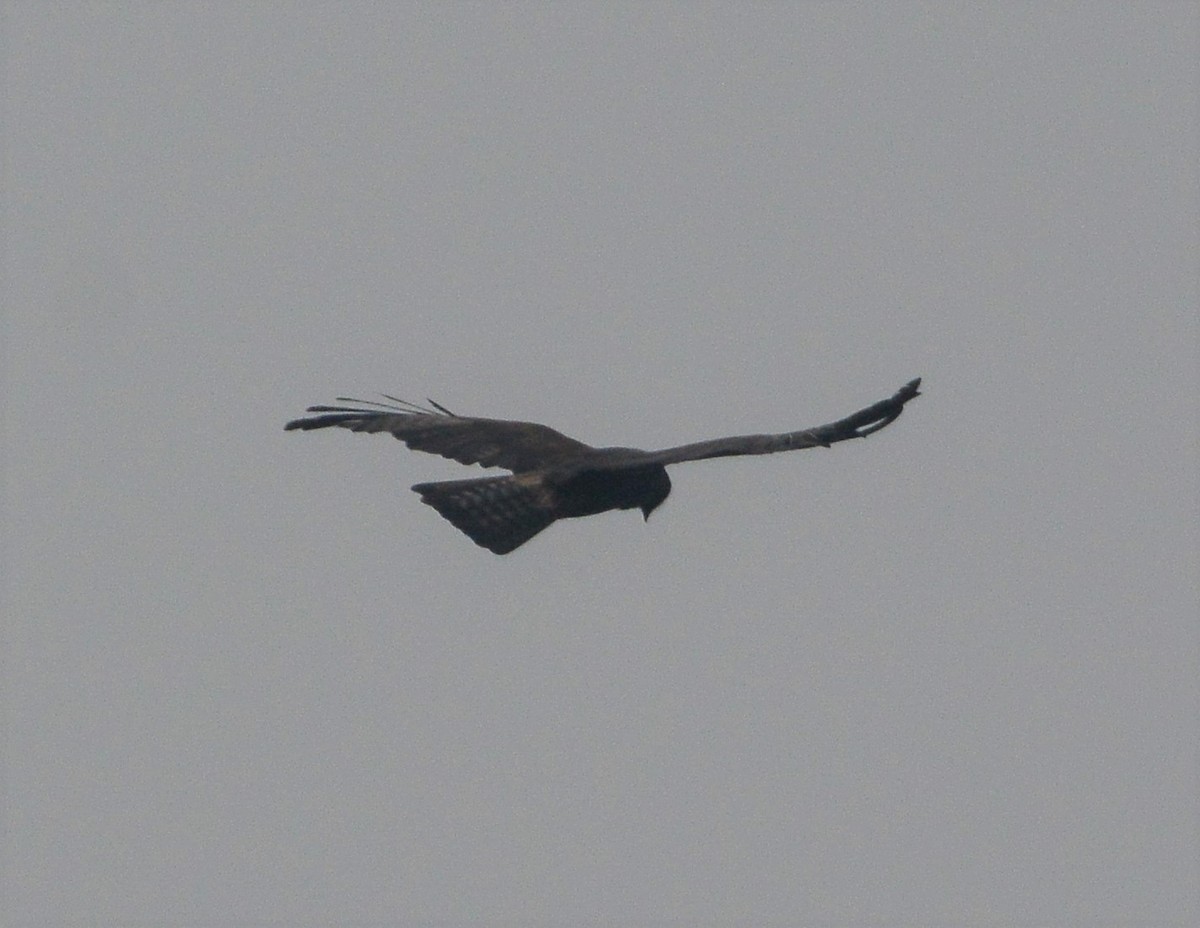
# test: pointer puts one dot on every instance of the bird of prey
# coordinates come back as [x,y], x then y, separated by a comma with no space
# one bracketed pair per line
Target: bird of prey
[552,476]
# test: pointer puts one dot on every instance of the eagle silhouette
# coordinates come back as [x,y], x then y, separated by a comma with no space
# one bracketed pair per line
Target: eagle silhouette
[555,477]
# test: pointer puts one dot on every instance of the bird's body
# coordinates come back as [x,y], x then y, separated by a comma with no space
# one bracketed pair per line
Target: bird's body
[553,476]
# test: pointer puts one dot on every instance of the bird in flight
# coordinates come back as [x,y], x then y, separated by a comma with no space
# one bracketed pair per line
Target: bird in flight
[552,476]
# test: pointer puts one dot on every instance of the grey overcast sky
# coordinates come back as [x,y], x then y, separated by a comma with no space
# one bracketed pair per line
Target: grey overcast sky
[949,675]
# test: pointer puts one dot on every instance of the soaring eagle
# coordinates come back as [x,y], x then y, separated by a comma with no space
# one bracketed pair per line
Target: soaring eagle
[553,476]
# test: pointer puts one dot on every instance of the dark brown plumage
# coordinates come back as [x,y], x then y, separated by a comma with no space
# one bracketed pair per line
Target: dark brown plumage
[555,477]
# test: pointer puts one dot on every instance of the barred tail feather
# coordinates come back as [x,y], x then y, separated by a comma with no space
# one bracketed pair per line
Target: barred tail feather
[497,513]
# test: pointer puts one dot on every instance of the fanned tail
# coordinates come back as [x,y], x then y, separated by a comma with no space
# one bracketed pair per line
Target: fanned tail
[497,513]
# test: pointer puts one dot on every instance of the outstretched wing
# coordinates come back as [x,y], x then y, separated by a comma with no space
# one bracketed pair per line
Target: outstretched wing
[516,446]
[859,425]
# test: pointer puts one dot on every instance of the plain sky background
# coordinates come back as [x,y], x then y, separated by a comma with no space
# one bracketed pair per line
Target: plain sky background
[947,675]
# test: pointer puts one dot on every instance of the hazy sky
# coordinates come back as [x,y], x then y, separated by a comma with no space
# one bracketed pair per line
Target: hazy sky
[947,675]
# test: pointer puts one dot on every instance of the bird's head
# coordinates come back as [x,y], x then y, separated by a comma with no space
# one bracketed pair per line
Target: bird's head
[657,488]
